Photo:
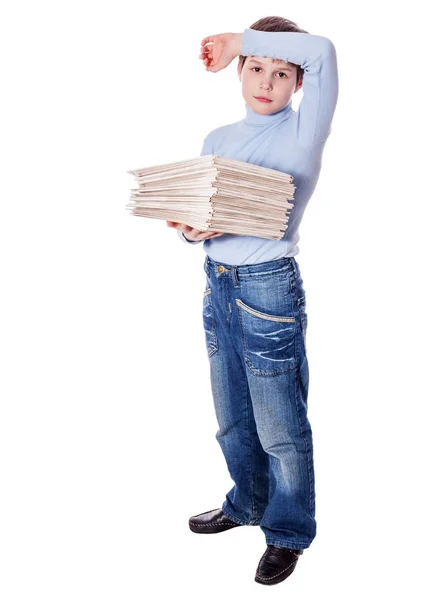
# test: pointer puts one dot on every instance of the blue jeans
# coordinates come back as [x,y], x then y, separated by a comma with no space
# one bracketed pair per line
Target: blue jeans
[255,328]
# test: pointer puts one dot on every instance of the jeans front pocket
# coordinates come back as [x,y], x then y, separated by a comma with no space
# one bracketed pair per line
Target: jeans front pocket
[209,323]
[268,341]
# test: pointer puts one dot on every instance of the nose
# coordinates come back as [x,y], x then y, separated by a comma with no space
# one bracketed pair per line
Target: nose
[266,84]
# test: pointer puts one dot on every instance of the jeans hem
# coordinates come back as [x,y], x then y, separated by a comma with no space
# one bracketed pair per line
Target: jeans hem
[239,521]
[287,544]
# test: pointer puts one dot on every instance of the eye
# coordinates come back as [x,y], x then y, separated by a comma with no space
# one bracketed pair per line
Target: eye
[279,73]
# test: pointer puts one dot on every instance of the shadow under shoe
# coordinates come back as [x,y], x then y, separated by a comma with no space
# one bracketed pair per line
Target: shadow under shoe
[276,564]
[211,521]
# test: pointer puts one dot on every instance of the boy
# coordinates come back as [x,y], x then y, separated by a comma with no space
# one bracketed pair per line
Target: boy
[254,302]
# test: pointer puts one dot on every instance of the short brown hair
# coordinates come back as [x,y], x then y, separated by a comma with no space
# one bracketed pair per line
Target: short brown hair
[276,24]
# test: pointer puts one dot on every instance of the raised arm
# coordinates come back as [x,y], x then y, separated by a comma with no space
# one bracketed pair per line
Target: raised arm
[317,57]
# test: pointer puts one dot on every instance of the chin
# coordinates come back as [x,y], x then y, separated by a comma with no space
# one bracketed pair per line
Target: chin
[262,107]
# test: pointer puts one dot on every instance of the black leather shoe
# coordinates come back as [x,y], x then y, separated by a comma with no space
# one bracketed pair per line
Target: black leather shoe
[212,521]
[276,564]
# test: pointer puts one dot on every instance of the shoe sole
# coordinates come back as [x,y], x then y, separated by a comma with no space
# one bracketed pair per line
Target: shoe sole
[211,528]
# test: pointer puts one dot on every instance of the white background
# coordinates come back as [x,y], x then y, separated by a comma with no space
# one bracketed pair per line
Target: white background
[107,427]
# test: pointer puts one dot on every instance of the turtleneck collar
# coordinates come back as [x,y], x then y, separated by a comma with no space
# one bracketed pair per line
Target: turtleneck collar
[254,118]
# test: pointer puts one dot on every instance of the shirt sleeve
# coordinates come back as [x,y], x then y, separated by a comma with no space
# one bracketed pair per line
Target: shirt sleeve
[318,58]
[206,149]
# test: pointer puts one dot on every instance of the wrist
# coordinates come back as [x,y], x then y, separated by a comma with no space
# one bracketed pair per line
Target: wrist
[187,238]
[237,43]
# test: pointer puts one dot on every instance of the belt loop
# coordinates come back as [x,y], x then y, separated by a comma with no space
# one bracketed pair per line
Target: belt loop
[235,277]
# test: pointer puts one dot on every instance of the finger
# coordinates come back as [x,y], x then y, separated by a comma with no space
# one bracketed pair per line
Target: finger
[211,235]
[207,40]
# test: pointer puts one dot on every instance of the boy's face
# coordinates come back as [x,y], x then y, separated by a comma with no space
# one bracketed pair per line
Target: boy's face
[269,78]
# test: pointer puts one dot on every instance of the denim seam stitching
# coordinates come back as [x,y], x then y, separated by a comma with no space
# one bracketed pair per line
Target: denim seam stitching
[212,346]
[294,544]
[264,316]
[296,393]
[232,518]
[250,452]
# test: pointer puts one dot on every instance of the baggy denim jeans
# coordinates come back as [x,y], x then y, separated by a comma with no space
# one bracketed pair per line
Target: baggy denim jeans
[255,325]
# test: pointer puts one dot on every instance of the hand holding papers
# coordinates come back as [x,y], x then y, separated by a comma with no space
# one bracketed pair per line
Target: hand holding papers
[215,194]
[191,234]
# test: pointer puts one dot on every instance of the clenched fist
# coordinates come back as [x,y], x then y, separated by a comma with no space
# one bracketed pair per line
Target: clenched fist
[217,51]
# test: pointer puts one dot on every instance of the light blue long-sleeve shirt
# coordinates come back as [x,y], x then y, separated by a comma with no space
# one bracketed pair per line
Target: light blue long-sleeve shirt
[289,141]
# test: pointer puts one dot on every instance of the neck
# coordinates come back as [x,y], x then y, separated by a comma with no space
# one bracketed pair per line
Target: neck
[254,118]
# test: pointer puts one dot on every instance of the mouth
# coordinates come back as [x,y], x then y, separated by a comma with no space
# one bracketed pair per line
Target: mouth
[262,99]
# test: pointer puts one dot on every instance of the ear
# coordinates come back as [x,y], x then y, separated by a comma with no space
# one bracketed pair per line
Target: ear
[298,86]
[239,69]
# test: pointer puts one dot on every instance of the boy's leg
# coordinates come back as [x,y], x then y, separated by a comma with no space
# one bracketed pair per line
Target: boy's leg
[285,433]
[247,463]
[272,321]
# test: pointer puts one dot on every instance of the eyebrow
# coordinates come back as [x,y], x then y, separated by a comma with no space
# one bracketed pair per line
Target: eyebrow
[260,63]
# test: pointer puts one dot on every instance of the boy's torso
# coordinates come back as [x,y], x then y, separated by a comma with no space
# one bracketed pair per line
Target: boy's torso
[276,147]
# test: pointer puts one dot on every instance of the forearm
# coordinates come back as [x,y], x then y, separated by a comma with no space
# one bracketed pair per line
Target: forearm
[316,55]
[237,44]
[297,48]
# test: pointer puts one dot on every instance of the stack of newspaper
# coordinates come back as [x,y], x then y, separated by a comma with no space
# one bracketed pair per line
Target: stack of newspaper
[212,193]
